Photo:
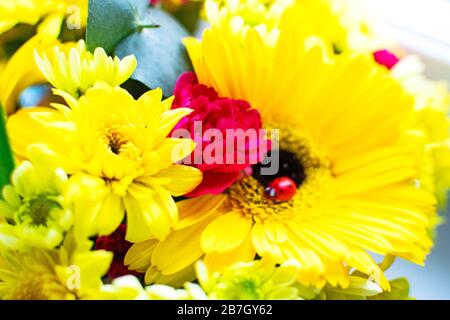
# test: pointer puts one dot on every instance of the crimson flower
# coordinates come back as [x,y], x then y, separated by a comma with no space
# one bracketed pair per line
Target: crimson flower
[116,244]
[223,115]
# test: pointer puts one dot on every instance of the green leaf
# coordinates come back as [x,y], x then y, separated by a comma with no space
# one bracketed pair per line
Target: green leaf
[110,21]
[130,27]
[159,51]
[6,156]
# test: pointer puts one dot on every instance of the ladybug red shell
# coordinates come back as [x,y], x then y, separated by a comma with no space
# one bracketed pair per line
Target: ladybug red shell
[281,189]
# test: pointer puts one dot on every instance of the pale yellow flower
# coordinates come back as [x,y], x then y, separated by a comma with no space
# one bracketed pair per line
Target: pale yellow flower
[73,69]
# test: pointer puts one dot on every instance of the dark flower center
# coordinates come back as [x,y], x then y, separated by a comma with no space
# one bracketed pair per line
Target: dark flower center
[39,209]
[115,142]
[289,166]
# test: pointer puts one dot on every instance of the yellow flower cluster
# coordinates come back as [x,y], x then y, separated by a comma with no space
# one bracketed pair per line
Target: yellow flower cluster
[48,13]
[367,148]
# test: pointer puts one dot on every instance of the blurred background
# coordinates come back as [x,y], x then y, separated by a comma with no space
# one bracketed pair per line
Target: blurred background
[422,27]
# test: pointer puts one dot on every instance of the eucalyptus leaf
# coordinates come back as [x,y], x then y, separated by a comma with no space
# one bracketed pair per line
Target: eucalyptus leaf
[110,21]
[159,51]
[6,156]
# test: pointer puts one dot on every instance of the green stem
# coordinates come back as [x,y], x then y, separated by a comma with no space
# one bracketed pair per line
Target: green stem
[6,156]
[387,262]
[148,26]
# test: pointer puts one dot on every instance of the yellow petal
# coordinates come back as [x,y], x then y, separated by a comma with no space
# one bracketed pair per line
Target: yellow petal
[169,120]
[179,179]
[173,150]
[149,213]
[110,214]
[193,211]
[275,231]
[226,233]
[243,253]
[263,245]
[180,249]
[139,255]
[37,121]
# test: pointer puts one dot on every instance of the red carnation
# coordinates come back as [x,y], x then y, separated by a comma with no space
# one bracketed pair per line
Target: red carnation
[222,114]
[116,244]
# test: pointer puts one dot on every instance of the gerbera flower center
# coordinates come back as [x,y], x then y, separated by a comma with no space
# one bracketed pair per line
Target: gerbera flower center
[299,160]
[289,166]
[37,210]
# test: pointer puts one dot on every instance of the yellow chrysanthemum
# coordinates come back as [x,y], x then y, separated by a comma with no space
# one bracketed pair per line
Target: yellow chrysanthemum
[241,15]
[256,280]
[429,123]
[118,153]
[76,70]
[65,274]
[35,209]
[48,13]
[20,71]
[339,121]
[307,17]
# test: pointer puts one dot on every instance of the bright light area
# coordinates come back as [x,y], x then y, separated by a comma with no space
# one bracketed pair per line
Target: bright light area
[420,26]
[430,18]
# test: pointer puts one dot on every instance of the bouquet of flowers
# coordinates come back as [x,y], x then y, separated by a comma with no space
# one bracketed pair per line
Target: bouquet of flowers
[217,149]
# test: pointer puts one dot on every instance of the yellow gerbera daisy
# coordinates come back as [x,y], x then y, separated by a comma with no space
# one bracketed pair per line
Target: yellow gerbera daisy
[71,272]
[118,154]
[49,13]
[339,121]
[75,70]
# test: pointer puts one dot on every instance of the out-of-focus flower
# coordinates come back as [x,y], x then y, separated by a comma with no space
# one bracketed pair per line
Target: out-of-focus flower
[49,14]
[256,280]
[123,288]
[220,114]
[65,274]
[170,5]
[358,289]
[399,291]
[386,58]
[116,244]
[340,143]
[20,71]
[331,20]
[73,69]
[35,209]
[119,157]
[241,15]
[429,124]
[189,291]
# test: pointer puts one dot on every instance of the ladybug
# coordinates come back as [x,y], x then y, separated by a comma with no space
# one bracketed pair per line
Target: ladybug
[281,189]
